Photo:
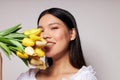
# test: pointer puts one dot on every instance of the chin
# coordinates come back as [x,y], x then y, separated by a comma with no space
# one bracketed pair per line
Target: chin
[49,55]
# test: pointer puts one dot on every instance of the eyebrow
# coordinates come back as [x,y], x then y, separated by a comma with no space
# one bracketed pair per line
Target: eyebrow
[54,23]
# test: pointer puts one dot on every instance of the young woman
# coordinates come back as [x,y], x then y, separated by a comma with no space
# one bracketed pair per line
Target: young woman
[63,50]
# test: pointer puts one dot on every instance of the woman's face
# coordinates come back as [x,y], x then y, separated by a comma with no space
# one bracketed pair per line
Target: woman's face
[56,34]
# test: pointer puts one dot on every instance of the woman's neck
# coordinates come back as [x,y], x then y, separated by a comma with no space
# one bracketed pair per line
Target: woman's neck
[62,65]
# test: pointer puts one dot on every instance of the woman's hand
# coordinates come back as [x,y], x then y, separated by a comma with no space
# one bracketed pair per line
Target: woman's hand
[0,67]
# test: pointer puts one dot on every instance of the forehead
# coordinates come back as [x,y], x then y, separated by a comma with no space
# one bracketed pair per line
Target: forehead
[48,19]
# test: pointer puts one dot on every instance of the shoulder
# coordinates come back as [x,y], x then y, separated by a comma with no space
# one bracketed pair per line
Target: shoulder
[28,75]
[85,73]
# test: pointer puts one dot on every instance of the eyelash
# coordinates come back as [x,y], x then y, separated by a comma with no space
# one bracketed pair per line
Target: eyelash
[52,28]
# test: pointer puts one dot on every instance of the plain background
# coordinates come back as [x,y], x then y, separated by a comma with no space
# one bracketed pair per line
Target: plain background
[99,27]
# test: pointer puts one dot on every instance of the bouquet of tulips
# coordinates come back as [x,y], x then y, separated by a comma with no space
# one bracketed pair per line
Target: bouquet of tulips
[27,45]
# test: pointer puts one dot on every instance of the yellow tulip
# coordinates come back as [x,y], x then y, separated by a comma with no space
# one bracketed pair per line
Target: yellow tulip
[22,55]
[41,43]
[29,50]
[27,32]
[36,31]
[39,52]
[34,37]
[28,42]
[36,62]
[42,67]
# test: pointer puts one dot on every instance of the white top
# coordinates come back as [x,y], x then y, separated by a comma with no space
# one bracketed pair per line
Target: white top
[85,73]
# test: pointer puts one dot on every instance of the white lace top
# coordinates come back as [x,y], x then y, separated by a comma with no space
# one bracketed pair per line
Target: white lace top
[85,73]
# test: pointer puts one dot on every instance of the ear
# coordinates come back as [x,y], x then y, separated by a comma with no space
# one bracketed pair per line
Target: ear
[72,34]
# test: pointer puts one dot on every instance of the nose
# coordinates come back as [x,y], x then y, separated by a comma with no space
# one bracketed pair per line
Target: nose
[45,34]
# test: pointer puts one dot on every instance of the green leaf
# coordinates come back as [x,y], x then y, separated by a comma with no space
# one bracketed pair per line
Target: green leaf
[6,41]
[25,61]
[15,36]
[10,30]
[5,49]
[12,42]
[17,44]
[14,49]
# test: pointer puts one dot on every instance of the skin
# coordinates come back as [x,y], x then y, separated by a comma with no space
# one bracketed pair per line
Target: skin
[58,37]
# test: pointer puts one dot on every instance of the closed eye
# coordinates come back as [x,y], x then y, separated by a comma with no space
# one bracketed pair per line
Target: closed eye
[53,28]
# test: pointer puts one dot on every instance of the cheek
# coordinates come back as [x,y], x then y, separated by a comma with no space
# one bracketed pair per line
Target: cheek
[62,37]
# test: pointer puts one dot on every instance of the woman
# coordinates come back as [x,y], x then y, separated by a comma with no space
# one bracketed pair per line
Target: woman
[63,50]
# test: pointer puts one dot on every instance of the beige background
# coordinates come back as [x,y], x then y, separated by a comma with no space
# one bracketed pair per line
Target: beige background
[98,23]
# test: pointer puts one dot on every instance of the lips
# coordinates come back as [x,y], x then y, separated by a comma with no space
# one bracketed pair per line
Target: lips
[48,46]
[50,43]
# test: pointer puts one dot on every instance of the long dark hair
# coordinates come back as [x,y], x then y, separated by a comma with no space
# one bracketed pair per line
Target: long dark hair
[76,55]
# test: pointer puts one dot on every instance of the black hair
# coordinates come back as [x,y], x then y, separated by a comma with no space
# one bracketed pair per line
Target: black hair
[76,55]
